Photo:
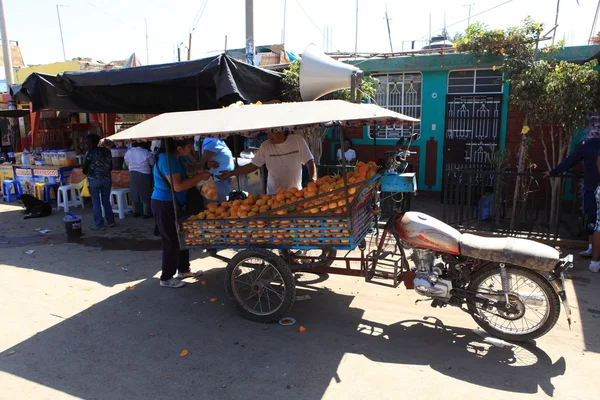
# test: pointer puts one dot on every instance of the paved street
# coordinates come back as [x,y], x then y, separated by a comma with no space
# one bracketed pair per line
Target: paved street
[90,321]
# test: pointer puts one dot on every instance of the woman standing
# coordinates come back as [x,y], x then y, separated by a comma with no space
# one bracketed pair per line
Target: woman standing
[173,259]
[139,162]
[98,167]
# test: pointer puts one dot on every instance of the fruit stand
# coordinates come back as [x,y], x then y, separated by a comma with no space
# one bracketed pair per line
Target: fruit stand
[334,213]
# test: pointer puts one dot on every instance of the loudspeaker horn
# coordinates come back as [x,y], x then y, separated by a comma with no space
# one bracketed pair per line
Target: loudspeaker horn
[321,74]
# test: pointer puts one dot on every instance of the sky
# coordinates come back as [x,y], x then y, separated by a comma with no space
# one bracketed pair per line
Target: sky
[109,30]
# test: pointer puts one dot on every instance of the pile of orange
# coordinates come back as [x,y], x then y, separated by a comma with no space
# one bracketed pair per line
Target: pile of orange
[312,199]
[326,195]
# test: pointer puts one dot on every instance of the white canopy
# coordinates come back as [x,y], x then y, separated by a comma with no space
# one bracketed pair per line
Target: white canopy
[248,119]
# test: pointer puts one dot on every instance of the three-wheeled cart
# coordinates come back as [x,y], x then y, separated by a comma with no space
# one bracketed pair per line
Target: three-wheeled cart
[272,245]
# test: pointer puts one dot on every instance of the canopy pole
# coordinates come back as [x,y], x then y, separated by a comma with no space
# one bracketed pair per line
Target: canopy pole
[175,208]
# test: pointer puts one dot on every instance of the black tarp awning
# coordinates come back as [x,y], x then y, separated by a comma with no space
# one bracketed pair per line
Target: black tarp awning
[153,89]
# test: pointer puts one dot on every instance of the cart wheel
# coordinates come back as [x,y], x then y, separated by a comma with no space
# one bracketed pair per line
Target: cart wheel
[324,258]
[261,285]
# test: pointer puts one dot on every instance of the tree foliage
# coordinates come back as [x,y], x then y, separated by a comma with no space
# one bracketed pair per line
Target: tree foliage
[554,95]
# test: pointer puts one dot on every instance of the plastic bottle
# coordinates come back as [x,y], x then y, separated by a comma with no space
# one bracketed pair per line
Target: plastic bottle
[25,157]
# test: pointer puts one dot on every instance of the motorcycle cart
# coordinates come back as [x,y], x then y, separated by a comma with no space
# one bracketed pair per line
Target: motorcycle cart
[273,244]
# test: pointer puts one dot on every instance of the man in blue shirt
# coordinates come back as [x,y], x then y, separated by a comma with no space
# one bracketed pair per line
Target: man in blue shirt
[216,151]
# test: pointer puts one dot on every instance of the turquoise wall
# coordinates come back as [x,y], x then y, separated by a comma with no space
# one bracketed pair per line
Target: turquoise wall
[435,85]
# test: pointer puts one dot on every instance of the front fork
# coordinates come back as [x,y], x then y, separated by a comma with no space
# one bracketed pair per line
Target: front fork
[559,273]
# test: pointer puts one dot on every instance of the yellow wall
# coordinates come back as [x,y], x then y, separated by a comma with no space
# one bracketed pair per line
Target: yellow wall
[53,69]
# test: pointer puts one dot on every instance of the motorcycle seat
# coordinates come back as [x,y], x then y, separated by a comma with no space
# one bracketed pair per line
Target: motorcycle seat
[508,250]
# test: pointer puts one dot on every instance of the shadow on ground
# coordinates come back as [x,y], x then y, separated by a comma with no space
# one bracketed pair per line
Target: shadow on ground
[113,349]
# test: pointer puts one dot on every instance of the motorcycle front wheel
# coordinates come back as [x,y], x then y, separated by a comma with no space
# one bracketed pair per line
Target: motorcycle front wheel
[534,304]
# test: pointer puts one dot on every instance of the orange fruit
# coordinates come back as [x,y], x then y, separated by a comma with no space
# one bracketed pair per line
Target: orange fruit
[245,207]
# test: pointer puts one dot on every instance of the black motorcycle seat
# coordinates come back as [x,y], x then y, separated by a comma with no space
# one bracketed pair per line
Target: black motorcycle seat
[508,250]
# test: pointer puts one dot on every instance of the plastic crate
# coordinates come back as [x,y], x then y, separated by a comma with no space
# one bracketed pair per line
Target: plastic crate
[398,183]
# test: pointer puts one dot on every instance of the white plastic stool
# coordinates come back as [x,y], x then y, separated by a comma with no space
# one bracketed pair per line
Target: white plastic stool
[79,197]
[67,197]
[119,201]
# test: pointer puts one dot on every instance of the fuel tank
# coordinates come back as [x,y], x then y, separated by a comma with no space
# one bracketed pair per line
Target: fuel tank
[421,230]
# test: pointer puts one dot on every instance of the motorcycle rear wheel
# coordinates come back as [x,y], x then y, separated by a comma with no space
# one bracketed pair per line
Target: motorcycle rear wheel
[536,305]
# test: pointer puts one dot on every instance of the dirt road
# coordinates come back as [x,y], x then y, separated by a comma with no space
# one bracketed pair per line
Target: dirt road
[90,321]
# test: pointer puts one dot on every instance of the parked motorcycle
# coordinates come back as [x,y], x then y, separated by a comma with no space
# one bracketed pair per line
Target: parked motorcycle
[511,287]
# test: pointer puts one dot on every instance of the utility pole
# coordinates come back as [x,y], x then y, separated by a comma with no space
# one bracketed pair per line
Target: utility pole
[356,32]
[62,41]
[147,52]
[469,18]
[225,50]
[387,19]
[250,32]
[284,16]
[190,47]
[429,28]
[8,69]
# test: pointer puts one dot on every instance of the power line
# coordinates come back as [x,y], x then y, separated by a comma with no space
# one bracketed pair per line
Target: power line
[198,16]
[315,24]
[123,22]
[167,8]
[473,16]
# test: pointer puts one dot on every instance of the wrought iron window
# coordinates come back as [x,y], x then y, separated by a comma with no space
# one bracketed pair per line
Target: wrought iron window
[473,81]
[401,93]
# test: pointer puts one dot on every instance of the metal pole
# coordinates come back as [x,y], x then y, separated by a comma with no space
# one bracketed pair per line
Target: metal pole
[356,32]
[250,32]
[556,20]
[8,69]
[178,53]
[429,28]
[62,41]
[147,53]
[469,17]
[387,19]
[190,48]
[284,16]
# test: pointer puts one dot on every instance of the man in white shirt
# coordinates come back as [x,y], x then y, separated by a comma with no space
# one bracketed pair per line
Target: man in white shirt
[283,154]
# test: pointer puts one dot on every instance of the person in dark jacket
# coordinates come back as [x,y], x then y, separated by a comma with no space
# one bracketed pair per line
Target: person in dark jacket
[98,167]
[588,153]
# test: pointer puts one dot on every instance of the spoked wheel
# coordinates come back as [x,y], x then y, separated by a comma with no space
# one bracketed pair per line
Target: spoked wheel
[534,305]
[261,285]
[321,258]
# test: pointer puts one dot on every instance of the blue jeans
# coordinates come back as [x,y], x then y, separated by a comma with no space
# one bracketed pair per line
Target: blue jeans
[100,192]
[223,190]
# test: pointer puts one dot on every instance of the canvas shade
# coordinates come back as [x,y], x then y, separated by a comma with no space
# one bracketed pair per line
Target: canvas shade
[249,119]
